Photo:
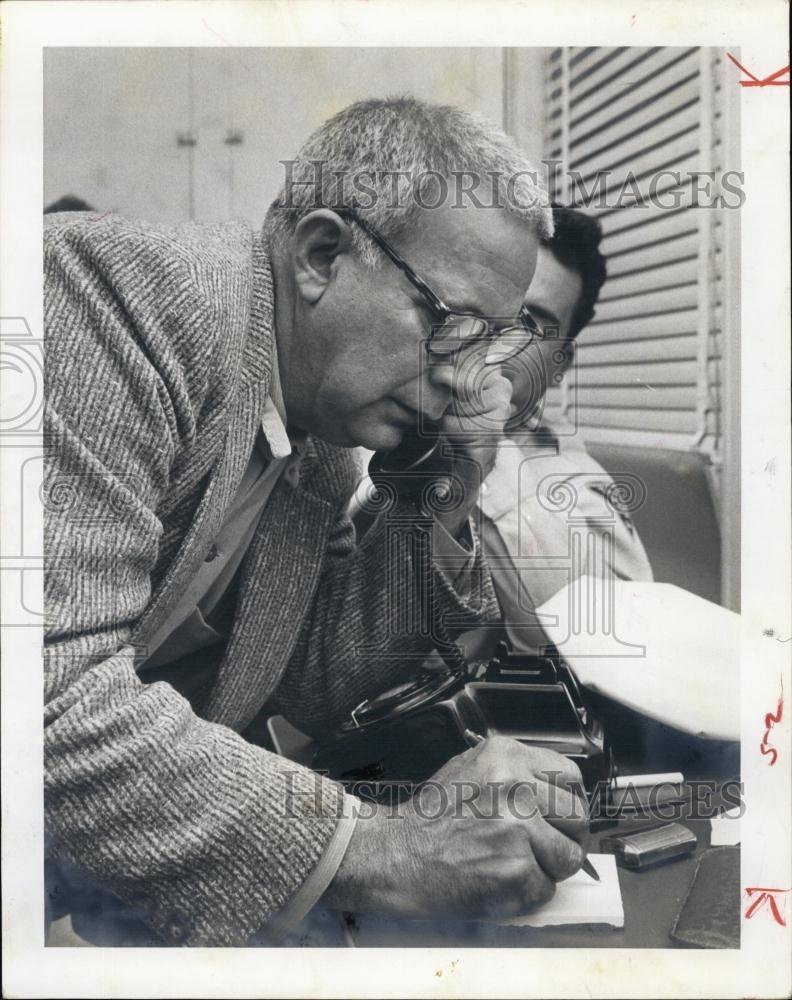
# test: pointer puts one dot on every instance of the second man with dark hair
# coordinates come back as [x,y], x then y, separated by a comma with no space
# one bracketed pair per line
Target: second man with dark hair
[550,513]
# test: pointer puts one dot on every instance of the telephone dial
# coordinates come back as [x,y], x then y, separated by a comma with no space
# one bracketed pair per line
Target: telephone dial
[393,742]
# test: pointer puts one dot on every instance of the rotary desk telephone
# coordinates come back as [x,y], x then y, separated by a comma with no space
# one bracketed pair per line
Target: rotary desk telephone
[399,739]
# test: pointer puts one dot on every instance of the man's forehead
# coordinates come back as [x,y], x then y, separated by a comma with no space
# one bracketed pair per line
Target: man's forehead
[488,248]
[552,280]
[555,288]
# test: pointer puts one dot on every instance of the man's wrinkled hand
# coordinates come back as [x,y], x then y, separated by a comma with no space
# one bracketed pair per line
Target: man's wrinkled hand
[488,837]
[472,427]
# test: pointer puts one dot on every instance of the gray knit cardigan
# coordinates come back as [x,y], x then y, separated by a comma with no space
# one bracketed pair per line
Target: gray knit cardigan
[158,347]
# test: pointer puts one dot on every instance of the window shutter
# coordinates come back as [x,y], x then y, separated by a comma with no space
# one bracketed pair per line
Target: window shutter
[648,366]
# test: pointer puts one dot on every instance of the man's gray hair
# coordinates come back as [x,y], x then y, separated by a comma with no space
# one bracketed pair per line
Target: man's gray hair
[387,158]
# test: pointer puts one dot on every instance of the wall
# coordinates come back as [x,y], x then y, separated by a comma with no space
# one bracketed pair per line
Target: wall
[173,134]
[114,118]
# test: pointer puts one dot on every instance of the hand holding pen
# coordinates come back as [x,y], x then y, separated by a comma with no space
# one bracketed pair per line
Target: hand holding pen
[474,739]
[475,841]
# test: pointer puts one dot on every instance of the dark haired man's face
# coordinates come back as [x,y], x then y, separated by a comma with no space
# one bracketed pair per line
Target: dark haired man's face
[552,298]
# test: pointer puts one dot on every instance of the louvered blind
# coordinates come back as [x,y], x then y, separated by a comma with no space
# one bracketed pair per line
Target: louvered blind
[648,366]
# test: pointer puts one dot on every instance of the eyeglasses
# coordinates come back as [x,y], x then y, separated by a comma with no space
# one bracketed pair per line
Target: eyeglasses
[457,329]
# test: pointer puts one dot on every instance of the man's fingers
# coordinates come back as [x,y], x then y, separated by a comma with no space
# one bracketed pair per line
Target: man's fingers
[538,888]
[554,780]
[556,769]
[558,855]
[485,395]
[565,811]
[547,786]
[529,887]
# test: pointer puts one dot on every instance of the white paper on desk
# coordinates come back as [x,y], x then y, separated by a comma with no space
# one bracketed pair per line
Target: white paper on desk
[580,900]
[654,647]
[725,828]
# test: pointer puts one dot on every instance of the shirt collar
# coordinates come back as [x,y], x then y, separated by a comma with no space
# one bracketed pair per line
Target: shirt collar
[281,443]
[535,430]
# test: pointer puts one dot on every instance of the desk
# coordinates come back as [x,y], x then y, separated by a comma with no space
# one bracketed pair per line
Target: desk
[651,898]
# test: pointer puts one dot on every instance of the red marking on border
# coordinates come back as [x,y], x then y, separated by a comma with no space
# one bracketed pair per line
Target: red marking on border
[767,81]
[98,218]
[770,720]
[765,897]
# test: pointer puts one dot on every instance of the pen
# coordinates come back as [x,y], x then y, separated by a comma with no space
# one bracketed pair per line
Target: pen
[473,739]
[590,870]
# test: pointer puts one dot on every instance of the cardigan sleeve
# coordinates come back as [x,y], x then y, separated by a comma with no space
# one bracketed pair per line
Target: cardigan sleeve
[204,836]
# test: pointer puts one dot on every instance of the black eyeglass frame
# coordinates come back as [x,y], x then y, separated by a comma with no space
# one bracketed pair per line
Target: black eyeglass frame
[527,327]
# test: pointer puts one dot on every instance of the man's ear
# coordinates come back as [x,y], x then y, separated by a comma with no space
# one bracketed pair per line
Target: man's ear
[320,238]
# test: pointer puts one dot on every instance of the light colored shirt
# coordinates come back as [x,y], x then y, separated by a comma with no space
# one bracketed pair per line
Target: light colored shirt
[551,514]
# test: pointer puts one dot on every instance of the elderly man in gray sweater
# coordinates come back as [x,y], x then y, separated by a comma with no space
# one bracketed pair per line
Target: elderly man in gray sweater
[205,386]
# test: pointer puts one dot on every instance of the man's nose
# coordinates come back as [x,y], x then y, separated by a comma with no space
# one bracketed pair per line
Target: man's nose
[464,372]
[437,387]
[441,371]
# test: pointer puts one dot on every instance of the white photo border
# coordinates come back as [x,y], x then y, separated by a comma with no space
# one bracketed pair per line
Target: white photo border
[761,966]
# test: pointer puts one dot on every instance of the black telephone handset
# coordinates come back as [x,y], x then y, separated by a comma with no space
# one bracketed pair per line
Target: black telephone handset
[420,470]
